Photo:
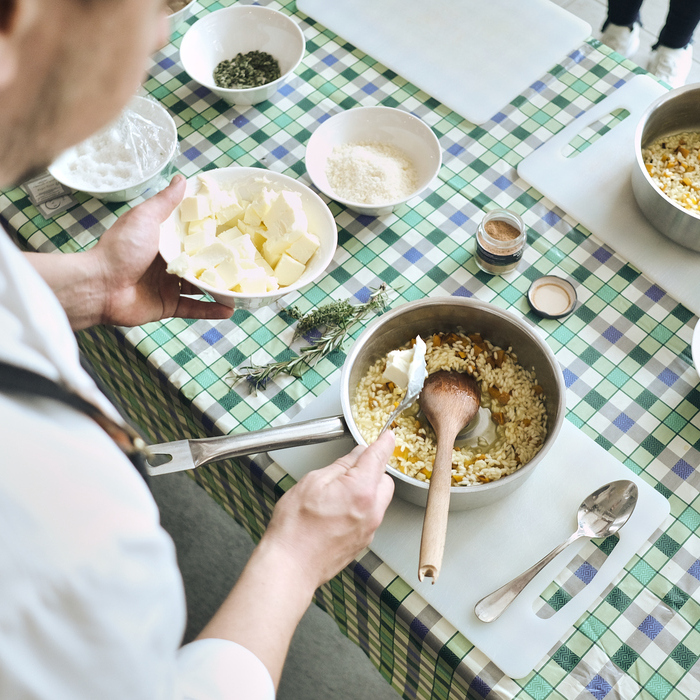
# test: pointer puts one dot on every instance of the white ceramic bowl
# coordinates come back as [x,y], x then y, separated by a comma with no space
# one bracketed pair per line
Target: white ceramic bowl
[162,124]
[224,33]
[321,223]
[177,19]
[695,347]
[388,125]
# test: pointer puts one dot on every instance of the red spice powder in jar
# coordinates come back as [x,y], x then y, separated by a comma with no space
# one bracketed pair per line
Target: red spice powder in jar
[500,242]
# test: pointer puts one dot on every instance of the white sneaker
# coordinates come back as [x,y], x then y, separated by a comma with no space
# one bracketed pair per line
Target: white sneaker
[622,39]
[671,65]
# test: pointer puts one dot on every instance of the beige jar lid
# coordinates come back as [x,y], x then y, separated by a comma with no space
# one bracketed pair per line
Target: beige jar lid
[552,297]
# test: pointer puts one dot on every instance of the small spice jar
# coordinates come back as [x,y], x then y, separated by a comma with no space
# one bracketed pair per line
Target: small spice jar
[500,242]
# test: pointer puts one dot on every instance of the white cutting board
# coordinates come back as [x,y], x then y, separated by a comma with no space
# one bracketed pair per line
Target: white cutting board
[487,547]
[595,188]
[474,56]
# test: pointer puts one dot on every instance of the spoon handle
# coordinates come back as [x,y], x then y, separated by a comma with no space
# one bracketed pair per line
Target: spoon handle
[432,543]
[490,608]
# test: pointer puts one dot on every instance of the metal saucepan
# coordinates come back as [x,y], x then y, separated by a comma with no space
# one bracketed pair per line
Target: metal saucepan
[676,111]
[388,332]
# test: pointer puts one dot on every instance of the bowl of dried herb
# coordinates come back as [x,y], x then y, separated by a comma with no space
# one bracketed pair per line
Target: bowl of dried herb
[244,53]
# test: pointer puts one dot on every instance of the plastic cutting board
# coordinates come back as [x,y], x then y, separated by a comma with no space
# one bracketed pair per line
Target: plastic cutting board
[595,188]
[471,55]
[487,547]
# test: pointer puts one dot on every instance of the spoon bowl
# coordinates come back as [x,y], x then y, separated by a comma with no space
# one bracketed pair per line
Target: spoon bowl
[601,514]
[606,510]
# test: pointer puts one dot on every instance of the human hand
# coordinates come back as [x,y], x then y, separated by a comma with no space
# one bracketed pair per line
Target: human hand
[135,286]
[326,519]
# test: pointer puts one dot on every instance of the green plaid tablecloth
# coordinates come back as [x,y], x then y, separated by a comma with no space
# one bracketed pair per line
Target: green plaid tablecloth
[624,352]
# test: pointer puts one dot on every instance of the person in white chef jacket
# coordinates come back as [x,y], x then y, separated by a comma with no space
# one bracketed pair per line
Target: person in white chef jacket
[91,601]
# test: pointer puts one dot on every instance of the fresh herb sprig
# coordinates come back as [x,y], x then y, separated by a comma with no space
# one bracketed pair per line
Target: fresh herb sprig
[334,314]
[337,319]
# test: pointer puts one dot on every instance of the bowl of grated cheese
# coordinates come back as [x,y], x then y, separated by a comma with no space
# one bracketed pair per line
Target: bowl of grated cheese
[371,159]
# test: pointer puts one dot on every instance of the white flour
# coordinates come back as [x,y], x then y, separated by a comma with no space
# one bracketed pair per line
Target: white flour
[371,173]
[130,149]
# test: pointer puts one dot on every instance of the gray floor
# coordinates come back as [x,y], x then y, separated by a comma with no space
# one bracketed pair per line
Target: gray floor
[212,549]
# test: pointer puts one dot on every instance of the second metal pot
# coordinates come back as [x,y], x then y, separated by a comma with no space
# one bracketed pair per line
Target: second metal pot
[676,111]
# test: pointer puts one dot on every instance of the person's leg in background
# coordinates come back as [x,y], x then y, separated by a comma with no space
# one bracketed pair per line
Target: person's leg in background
[621,28]
[672,56]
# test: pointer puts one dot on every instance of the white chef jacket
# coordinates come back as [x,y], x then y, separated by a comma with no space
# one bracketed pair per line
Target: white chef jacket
[91,600]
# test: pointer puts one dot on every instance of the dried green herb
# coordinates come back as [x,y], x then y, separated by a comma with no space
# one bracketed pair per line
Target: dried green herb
[336,313]
[337,318]
[247,70]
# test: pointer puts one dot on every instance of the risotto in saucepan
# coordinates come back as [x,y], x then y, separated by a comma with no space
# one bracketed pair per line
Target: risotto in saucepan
[673,162]
[509,392]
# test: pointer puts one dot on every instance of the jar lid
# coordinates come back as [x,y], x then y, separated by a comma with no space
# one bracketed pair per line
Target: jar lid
[552,297]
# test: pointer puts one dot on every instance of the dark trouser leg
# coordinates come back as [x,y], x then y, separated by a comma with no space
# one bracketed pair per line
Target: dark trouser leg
[683,17]
[624,13]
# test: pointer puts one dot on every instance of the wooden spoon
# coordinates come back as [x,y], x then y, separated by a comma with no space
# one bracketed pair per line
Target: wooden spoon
[449,400]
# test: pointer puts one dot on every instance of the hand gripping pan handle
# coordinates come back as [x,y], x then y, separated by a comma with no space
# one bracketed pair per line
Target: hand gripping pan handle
[169,457]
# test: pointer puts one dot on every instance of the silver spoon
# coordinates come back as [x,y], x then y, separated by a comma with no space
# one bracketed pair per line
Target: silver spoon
[602,513]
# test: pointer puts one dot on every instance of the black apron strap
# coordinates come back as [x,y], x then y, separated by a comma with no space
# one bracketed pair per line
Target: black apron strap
[18,380]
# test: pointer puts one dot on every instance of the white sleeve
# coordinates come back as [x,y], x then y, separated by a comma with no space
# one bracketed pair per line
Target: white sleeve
[217,669]
[91,600]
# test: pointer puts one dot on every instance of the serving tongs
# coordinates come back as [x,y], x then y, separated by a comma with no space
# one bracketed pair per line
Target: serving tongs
[180,455]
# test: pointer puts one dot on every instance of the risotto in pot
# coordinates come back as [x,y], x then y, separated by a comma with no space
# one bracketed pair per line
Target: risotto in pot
[509,392]
[673,162]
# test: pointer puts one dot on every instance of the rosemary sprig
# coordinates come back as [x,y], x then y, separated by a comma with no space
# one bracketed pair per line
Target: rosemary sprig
[337,318]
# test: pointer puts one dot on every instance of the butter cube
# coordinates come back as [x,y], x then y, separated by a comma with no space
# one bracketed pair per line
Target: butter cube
[210,256]
[252,280]
[272,283]
[286,214]
[229,212]
[251,216]
[193,243]
[288,270]
[261,262]
[230,272]
[243,247]
[213,279]
[275,247]
[229,234]
[304,247]
[253,285]
[258,234]
[180,265]
[194,208]
[263,201]
[207,225]
[397,364]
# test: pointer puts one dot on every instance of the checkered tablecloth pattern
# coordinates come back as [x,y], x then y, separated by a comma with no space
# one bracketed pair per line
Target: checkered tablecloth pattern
[624,352]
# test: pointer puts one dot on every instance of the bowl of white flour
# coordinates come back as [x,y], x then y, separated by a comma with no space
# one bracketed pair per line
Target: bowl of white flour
[126,158]
[371,159]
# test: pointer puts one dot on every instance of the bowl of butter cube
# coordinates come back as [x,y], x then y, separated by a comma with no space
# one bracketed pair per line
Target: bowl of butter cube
[248,236]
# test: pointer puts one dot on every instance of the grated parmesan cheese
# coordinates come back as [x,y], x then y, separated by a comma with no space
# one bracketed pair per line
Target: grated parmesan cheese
[371,173]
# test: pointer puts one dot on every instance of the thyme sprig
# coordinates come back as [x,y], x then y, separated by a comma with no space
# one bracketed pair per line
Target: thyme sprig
[332,315]
[337,319]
